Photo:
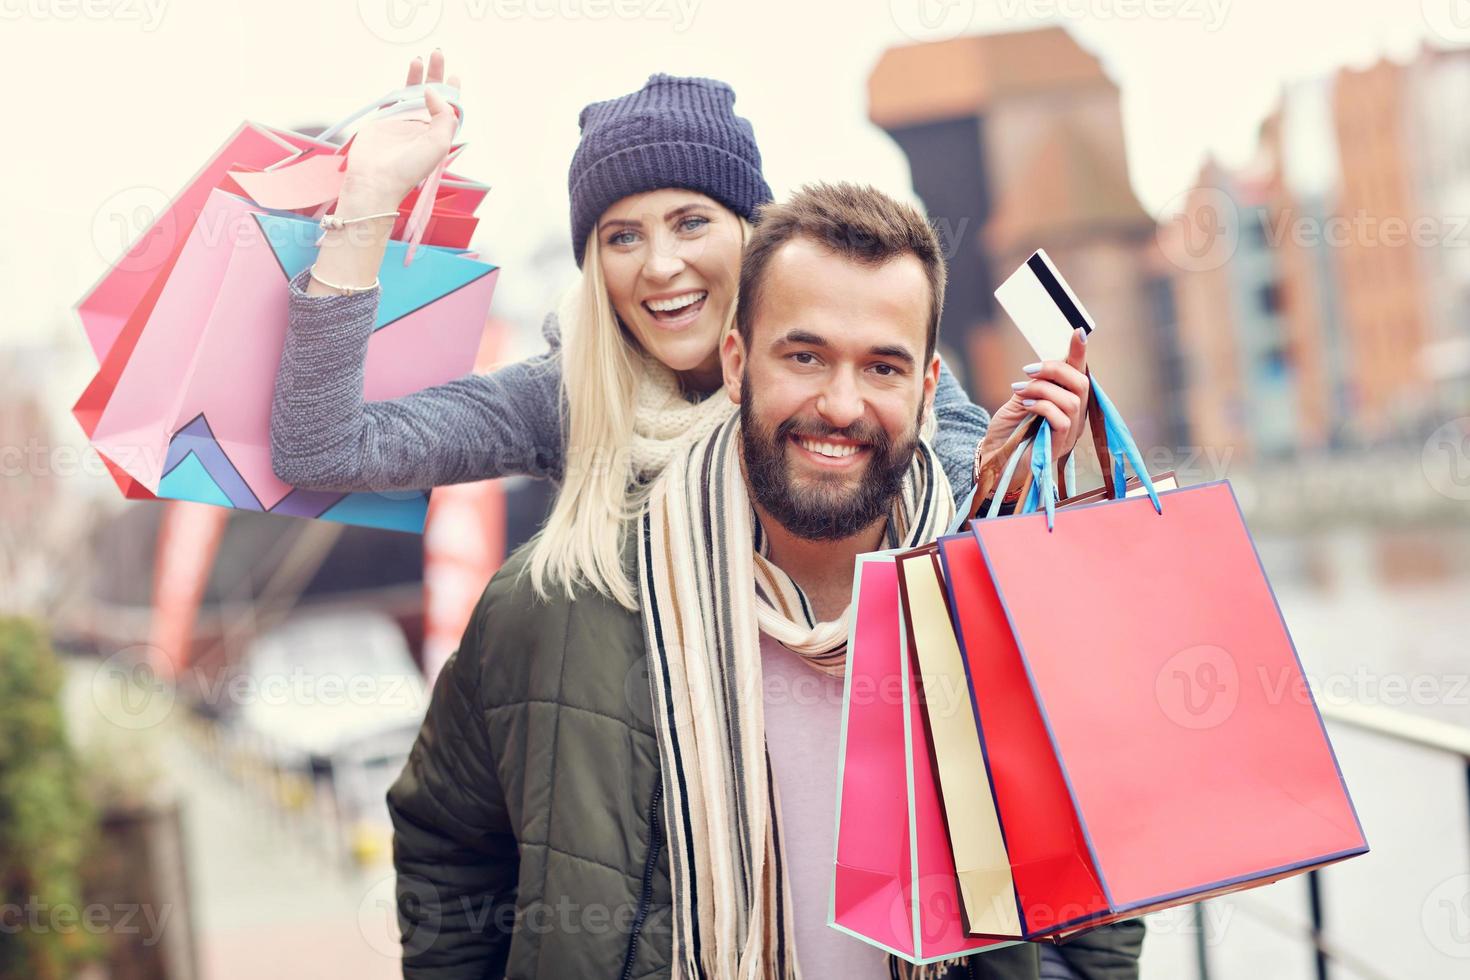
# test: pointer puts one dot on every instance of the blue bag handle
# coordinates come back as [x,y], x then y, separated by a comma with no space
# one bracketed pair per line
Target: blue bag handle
[967,510]
[1110,436]
[986,474]
[1117,437]
[1010,469]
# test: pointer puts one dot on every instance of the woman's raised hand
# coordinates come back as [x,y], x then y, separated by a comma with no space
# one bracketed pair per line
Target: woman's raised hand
[1055,390]
[389,157]
[392,155]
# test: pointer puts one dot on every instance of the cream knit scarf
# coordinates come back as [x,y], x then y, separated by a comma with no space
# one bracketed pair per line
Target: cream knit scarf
[708,593]
[663,419]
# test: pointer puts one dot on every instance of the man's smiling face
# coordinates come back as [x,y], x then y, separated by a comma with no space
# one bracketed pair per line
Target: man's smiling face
[832,386]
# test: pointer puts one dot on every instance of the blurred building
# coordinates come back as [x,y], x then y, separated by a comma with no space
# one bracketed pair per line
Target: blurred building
[1381,274]
[1227,309]
[27,476]
[1313,346]
[1015,142]
[37,521]
[1264,372]
[1341,314]
[1440,154]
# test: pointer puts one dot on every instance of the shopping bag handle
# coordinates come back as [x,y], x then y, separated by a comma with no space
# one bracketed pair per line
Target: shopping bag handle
[988,474]
[1039,486]
[1112,442]
[1116,438]
[992,474]
[408,98]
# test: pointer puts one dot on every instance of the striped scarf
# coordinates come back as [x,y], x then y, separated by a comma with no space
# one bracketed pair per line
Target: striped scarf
[709,592]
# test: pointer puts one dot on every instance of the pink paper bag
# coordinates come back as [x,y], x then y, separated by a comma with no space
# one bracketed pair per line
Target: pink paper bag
[190,415]
[894,884]
[109,302]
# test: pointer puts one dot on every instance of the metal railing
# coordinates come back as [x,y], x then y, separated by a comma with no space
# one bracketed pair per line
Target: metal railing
[1420,732]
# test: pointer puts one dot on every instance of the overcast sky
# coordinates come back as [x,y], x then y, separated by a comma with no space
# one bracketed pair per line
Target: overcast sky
[115,103]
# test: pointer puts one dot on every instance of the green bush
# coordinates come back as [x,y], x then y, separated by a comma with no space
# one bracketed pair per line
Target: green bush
[46,825]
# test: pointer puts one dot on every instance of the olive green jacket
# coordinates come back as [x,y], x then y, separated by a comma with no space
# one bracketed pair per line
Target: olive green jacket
[528,822]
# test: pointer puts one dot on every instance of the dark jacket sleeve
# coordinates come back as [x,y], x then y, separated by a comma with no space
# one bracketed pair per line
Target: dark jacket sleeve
[1108,953]
[326,436]
[454,850]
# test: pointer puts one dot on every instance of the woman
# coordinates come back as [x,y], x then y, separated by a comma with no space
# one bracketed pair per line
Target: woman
[663,185]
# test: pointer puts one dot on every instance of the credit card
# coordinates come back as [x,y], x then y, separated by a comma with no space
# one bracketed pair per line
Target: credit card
[1043,307]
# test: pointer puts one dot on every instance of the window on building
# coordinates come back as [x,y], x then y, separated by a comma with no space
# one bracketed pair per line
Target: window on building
[1257,230]
[1275,362]
[1268,298]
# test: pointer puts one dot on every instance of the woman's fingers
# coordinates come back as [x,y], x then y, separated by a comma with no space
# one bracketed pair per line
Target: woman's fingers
[416,74]
[1061,422]
[441,116]
[1061,373]
[1068,401]
[437,106]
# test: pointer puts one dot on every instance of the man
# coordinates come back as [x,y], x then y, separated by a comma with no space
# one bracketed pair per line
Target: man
[598,793]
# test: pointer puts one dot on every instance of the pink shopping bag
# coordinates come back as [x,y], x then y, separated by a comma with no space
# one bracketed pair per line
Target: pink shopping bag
[189,417]
[114,311]
[894,882]
[107,305]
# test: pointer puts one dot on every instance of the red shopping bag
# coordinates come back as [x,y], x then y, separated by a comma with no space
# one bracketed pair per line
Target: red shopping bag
[894,881]
[1145,720]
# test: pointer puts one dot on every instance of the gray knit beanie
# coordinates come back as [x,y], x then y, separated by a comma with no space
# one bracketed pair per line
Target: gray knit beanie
[673,132]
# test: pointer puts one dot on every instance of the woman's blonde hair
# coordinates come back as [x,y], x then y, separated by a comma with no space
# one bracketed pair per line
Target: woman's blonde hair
[583,538]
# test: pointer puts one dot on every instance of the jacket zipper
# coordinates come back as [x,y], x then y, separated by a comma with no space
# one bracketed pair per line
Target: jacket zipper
[655,844]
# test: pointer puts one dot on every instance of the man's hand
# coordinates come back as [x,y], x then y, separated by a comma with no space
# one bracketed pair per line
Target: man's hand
[1055,390]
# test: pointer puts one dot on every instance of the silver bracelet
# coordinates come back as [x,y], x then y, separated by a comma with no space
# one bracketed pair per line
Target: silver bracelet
[346,290]
[330,222]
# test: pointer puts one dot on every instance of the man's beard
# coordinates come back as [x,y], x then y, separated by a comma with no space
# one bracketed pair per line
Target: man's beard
[824,512]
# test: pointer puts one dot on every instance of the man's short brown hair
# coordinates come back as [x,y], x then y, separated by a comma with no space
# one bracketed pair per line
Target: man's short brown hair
[857,222]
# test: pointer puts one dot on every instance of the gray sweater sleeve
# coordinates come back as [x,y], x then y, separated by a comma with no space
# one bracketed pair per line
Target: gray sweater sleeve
[326,436]
[961,427]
